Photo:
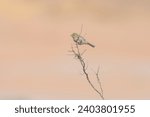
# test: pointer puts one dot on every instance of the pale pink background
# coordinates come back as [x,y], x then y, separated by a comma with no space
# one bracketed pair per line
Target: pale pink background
[35,39]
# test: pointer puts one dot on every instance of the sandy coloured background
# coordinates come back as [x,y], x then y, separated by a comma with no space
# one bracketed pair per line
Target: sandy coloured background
[35,39]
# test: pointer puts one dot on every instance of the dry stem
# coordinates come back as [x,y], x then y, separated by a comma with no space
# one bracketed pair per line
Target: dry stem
[78,55]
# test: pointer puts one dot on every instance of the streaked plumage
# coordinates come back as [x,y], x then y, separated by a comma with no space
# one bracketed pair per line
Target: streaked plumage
[80,40]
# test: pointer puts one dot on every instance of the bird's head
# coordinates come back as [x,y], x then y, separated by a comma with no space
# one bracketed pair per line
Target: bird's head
[74,35]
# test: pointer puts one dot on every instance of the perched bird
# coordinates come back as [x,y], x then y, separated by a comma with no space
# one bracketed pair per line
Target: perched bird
[80,40]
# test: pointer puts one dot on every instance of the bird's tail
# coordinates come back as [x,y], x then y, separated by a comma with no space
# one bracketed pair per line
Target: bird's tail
[91,45]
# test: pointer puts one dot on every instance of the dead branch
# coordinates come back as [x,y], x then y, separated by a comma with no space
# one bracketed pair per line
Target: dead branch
[78,55]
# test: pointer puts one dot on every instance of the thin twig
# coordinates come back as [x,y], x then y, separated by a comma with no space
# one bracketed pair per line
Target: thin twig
[98,80]
[78,55]
[81,29]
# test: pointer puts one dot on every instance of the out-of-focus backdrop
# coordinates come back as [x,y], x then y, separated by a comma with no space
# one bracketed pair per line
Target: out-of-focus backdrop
[35,39]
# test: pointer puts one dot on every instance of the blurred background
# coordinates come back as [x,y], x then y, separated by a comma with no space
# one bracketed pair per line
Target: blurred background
[35,40]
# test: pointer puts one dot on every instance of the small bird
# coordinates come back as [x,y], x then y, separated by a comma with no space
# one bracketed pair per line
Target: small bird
[80,40]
